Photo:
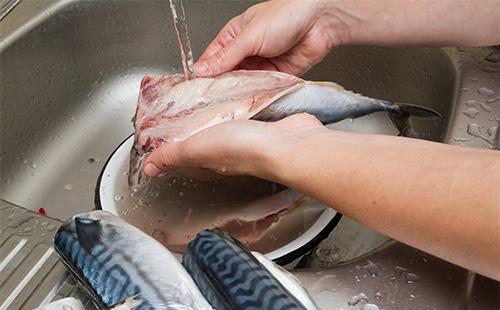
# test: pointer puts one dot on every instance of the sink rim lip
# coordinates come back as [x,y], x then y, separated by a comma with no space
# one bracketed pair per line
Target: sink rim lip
[280,258]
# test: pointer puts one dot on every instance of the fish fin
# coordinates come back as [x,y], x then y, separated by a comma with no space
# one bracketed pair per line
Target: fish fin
[416,110]
[401,113]
[404,126]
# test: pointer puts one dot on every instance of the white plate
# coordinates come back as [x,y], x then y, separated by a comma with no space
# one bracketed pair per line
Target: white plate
[113,180]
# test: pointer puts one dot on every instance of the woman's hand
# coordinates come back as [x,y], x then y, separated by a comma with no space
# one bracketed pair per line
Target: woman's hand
[282,35]
[240,147]
[293,35]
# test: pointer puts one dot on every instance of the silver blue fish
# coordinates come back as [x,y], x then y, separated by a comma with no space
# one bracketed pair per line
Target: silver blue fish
[232,278]
[331,103]
[115,262]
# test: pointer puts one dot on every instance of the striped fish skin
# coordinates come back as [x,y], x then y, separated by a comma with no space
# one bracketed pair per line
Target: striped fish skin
[113,261]
[232,278]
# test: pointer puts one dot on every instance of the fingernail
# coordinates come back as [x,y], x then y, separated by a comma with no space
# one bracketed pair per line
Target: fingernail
[151,170]
[201,68]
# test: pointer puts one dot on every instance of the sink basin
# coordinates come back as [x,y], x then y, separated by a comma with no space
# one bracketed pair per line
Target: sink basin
[70,73]
[70,86]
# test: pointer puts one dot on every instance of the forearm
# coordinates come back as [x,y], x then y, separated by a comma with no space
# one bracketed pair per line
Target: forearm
[414,22]
[438,198]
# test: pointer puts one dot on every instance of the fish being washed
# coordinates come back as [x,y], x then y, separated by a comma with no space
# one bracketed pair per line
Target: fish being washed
[171,109]
[120,266]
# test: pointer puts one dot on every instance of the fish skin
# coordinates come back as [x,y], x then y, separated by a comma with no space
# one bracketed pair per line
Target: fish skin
[331,103]
[232,278]
[171,109]
[113,261]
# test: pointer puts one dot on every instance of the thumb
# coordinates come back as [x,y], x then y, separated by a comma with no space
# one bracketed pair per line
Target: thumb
[226,58]
[166,157]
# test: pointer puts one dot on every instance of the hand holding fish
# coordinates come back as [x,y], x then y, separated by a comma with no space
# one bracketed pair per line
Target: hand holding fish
[417,192]
[238,147]
[293,35]
[283,35]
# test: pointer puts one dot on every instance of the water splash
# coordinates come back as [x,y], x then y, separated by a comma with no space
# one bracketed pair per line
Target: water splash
[181,29]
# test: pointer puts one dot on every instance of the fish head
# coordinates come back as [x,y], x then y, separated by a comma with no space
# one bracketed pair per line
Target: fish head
[94,230]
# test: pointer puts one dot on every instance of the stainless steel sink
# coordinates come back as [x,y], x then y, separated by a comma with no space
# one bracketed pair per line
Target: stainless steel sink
[70,73]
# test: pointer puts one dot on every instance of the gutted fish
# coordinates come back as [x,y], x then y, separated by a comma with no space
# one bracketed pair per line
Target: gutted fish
[114,261]
[172,109]
[121,267]
[230,277]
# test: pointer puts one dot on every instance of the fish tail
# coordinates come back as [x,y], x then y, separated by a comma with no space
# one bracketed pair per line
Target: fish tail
[401,113]
[230,277]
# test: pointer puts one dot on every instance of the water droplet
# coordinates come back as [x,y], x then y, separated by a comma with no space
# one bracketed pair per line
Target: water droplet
[491,68]
[400,270]
[493,100]
[464,89]
[492,131]
[411,278]
[181,193]
[425,259]
[28,229]
[68,187]
[485,91]
[486,107]
[474,79]
[471,112]
[125,174]
[371,268]
[412,297]
[493,57]
[378,295]
[471,102]
[118,197]
[357,299]
[474,130]
[370,307]
[51,227]
[33,166]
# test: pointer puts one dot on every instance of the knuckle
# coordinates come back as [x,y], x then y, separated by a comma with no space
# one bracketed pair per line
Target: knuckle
[166,159]
[220,55]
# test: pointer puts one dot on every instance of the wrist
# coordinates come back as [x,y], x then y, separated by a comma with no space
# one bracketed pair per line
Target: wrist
[340,20]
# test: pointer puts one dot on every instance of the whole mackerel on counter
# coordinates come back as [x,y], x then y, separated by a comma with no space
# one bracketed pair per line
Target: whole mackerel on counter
[120,266]
[171,109]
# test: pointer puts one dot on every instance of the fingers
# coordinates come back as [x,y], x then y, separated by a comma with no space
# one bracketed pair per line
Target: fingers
[226,58]
[257,63]
[225,35]
[301,119]
[168,156]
